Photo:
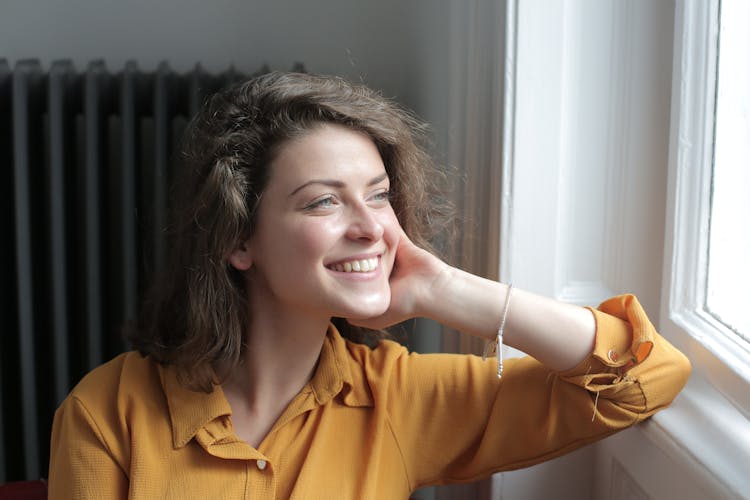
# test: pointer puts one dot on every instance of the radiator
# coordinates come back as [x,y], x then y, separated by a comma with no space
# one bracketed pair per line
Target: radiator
[86,160]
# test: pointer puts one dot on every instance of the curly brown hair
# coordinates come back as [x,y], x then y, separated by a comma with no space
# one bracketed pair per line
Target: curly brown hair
[196,316]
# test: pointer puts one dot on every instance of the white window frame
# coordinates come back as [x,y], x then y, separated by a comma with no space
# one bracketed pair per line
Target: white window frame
[710,418]
[718,355]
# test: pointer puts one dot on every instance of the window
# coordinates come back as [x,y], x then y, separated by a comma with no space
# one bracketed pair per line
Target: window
[704,224]
[699,304]
[703,278]
[728,280]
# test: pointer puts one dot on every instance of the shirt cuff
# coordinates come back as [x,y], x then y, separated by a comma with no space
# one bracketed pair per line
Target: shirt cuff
[624,337]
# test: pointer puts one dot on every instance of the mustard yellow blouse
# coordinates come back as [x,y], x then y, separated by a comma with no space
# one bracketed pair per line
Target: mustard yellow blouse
[371,424]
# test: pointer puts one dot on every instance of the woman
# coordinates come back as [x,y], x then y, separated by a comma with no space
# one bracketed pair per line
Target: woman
[303,229]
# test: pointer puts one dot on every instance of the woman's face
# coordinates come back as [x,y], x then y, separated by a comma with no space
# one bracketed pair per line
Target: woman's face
[326,235]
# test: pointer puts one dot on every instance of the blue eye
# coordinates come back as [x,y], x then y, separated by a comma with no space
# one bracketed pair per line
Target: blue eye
[326,202]
[382,196]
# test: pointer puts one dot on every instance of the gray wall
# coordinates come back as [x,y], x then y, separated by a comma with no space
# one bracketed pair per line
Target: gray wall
[399,47]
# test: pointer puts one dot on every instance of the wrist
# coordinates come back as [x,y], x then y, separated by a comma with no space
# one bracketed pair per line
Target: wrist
[436,292]
[468,303]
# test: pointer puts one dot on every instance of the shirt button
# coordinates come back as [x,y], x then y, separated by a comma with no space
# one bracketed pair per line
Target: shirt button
[612,355]
[261,464]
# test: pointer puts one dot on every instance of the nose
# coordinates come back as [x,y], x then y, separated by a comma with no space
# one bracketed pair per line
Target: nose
[364,224]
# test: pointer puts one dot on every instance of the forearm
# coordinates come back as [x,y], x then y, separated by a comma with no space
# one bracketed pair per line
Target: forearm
[558,334]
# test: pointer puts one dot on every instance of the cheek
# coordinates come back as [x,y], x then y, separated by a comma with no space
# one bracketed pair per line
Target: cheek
[391,226]
[315,237]
[392,232]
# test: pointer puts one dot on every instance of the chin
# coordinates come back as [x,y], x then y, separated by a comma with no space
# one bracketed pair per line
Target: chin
[366,311]
[363,315]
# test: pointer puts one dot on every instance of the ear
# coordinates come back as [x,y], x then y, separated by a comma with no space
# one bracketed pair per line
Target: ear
[241,258]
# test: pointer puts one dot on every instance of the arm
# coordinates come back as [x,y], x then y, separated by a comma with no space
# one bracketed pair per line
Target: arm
[559,335]
[455,421]
[601,371]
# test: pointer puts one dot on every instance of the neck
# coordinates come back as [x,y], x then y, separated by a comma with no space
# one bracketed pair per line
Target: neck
[281,354]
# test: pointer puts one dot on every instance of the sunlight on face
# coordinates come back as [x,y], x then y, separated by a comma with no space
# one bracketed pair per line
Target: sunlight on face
[326,234]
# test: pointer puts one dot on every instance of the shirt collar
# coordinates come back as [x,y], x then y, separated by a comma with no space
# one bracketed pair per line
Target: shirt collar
[334,375]
[190,411]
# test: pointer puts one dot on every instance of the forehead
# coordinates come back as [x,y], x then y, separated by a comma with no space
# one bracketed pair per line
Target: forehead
[328,150]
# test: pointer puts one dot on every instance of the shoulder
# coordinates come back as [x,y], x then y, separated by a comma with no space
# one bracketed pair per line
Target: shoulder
[391,366]
[122,371]
[110,389]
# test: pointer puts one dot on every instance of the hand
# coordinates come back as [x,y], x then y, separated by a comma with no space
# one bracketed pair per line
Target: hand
[412,280]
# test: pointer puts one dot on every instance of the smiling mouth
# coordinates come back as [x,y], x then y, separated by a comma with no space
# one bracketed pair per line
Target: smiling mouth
[355,266]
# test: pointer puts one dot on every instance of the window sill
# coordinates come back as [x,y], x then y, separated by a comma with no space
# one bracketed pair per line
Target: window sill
[706,434]
[718,359]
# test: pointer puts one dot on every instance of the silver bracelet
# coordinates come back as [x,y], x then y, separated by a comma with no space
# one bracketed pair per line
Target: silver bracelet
[497,343]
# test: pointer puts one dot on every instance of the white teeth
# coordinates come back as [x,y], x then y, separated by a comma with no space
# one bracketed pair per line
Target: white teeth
[357,266]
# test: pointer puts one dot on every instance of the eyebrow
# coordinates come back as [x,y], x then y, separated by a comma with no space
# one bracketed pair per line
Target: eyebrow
[338,184]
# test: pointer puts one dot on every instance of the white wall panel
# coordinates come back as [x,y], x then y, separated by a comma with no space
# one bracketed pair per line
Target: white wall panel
[591,141]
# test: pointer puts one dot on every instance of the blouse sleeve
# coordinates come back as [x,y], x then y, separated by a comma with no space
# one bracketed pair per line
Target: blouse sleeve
[81,463]
[454,421]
